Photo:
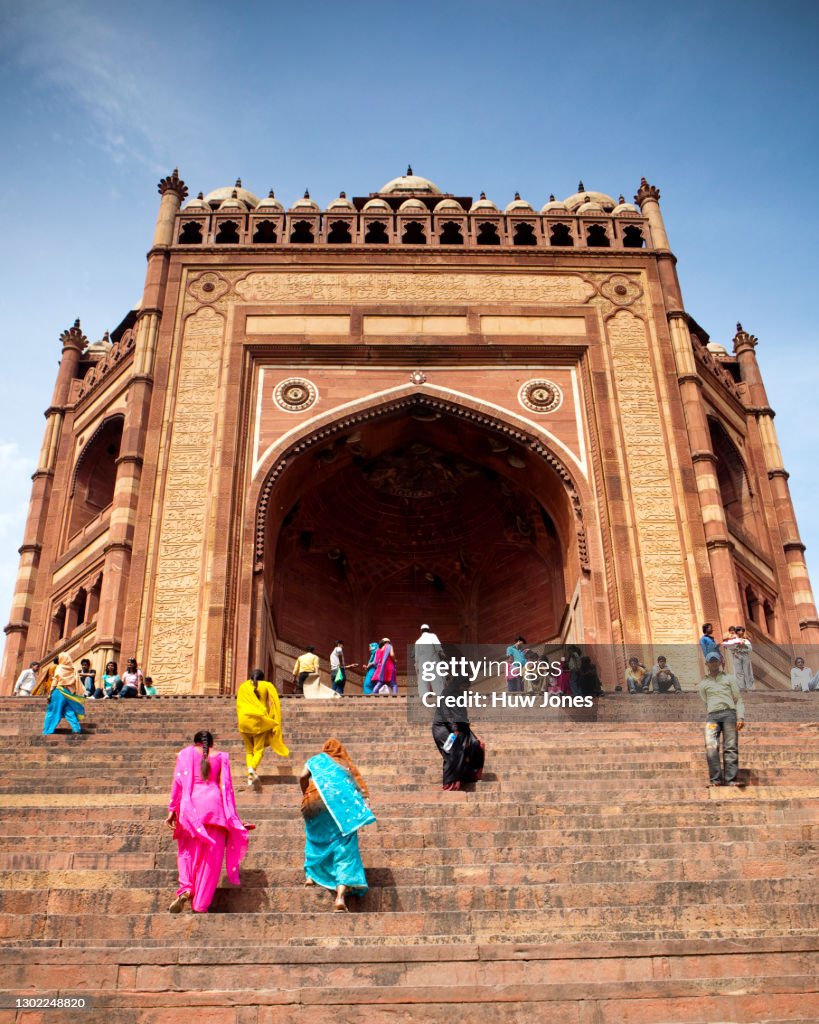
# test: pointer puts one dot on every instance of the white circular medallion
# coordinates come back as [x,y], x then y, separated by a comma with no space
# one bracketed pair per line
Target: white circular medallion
[540,396]
[296,394]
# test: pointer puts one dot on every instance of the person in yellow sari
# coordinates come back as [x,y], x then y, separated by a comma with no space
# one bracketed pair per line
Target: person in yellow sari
[259,716]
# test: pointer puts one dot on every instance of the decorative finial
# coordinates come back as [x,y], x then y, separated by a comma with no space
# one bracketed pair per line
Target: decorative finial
[739,327]
[271,194]
[581,187]
[551,197]
[409,170]
[483,195]
[646,191]
[238,183]
[107,338]
[200,195]
[74,337]
[234,194]
[342,195]
[307,193]
[621,200]
[173,183]
[517,195]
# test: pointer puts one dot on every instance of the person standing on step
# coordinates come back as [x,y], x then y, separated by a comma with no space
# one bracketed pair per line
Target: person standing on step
[334,807]
[259,716]
[385,676]
[725,717]
[462,752]
[307,664]
[367,687]
[741,652]
[708,645]
[65,700]
[428,655]
[26,681]
[206,827]
[338,670]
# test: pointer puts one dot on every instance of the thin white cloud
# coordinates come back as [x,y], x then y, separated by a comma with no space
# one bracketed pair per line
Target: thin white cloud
[86,59]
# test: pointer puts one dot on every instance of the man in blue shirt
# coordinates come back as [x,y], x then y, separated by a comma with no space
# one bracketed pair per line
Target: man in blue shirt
[708,645]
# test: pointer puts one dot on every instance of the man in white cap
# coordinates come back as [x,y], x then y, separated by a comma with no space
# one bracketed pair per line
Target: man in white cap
[428,653]
[725,716]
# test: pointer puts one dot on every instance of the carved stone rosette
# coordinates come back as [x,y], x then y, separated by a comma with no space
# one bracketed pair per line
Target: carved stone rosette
[540,396]
[296,394]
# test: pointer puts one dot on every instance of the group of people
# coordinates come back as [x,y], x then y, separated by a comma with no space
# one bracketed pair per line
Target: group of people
[206,824]
[380,676]
[737,645]
[67,687]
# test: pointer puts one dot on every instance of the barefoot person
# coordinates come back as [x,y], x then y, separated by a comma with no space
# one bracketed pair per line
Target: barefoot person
[206,827]
[259,717]
[334,807]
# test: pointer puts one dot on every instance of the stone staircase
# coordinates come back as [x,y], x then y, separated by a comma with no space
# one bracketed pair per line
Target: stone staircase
[591,878]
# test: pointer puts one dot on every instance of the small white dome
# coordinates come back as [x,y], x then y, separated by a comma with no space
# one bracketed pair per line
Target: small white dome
[218,195]
[716,348]
[627,209]
[232,203]
[519,205]
[449,204]
[554,206]
[412,206]
[342,203]
[410,182]
[590,207]
[484,204]
[306,204]
[377,204]
[196,204]
[270,203]
[584,196]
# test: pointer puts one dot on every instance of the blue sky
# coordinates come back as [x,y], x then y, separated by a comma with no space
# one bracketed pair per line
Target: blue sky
[714,102]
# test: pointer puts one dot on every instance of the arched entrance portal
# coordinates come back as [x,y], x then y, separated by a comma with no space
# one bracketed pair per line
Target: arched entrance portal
[421,513]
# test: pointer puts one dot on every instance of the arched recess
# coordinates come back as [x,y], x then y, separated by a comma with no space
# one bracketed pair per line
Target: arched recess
[95,474]
[734,486]
[419,508]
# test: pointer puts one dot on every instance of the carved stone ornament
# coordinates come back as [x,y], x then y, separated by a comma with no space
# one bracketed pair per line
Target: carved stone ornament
[295,394]
[621,290]
[208,287]
[540,396]
[418,377]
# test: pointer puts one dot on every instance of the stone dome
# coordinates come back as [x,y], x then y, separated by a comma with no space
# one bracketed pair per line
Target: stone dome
[519,205]
[584,196]
[716,348]
[483,204]
[554,206]
[408,183]
[448,204]
[625,208]
[196,204]
[590,207]
[342,203]
[412,206]
[218,195]
[233,202]
[306,204]
[270,203]
[377,204]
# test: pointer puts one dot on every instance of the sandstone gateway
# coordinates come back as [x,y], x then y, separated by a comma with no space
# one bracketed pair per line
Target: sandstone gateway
[322,423]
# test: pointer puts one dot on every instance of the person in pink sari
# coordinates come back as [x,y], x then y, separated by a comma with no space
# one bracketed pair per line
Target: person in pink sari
[206,827]
[384,677]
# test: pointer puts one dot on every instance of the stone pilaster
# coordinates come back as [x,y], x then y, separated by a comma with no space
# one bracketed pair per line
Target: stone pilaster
[73,342]
[759,407]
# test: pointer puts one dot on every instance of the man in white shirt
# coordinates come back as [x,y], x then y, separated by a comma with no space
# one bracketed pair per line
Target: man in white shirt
[428,653]
[802,678]
[338,670]
[26,681]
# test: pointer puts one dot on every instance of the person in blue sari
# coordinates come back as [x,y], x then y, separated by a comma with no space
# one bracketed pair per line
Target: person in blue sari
[334,807]
[65,701]
[368,678]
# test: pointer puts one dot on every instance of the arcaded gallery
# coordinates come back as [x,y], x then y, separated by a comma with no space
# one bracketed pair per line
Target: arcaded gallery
[407,407]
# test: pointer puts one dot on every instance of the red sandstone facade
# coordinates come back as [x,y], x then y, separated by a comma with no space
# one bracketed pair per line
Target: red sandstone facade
[407,407]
